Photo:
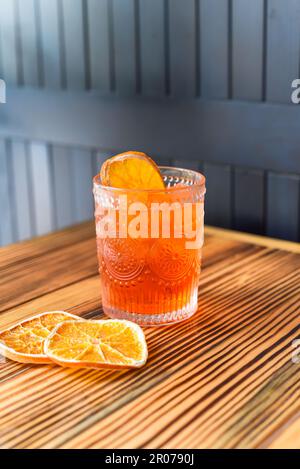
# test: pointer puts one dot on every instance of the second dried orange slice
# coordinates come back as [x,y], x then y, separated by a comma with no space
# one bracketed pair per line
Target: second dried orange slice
[131,170]
[97,344]
[24,342]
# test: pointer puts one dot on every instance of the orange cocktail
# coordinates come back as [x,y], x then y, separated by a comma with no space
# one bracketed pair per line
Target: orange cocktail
[149,246]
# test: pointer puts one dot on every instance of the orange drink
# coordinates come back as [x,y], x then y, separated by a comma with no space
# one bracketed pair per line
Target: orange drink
[149,244]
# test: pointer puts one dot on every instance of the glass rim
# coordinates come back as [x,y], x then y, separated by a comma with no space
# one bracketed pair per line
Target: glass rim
[198,184]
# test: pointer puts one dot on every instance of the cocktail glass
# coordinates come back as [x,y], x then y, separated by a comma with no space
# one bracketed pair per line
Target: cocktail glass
[149,245]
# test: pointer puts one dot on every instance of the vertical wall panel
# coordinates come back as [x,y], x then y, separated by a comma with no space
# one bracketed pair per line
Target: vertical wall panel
[23,202]
[283,206]
[124,46]
[163,160]
[214,48]
[127,44]
[217,48]
[99,44]
[152,47]
[63,188]
[42,188]
[283,48]
[8,44]
[218,195]
[189,164]
[49,16]
[249,200]
[29,42]
[74,44]
[98,159]
[6,207]
[82,196]
[247,25]
[1,65]
[182,48]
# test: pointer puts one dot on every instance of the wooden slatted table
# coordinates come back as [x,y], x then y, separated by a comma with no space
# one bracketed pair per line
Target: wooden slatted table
[223,379]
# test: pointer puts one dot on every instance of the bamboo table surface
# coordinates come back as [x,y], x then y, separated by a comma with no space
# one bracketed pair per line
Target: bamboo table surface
[223,379]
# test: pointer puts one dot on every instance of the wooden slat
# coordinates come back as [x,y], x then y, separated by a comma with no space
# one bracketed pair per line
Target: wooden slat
[283,30]
[58,271]
[283,206]
[182,48]
[99,44]
[180,429]
[51,46]
[41,185]
[22,190]
[247,49]
[6,207]
[63,187]
[82,174]
[214,48]
[249,200]
[288,437]
[46,243]
[65,298]
[8,43]
[74,44]
[29,42]
[266,241]
[218,200]
[223,379]
[152,39]
[124,46]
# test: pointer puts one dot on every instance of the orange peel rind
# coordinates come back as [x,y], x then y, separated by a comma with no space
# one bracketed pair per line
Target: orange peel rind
[131,170]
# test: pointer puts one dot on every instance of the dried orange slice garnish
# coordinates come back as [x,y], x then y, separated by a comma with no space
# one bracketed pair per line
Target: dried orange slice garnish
[131,170]
[97,344]
[24,342]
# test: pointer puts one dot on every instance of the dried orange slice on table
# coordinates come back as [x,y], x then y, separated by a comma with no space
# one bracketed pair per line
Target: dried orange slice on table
[131,170]
[97,344]
[24,342]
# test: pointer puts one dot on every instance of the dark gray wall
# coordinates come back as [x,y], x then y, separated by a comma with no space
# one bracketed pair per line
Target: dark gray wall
[225,49]
[186,65]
